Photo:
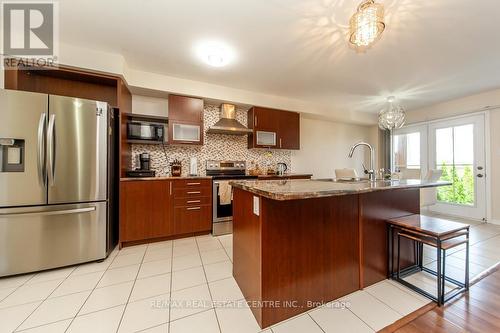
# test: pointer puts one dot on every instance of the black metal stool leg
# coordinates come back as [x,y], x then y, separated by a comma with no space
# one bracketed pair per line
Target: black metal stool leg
[399,253]
[467,263]
[421,255]
[438,251]
[444,277]
[389,252]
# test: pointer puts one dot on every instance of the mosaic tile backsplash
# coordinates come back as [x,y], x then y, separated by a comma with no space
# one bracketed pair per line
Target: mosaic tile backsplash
[216,147]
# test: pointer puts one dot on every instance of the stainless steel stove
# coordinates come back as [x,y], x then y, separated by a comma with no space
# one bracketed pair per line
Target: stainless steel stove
[222,172]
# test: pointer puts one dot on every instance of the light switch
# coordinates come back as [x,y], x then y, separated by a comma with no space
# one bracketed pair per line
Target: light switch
[256,204]
[13,155]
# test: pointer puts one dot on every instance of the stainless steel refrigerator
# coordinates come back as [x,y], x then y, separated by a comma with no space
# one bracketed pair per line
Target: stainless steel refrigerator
[53,181]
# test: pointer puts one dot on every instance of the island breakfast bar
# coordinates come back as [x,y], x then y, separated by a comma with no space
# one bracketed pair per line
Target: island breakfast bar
[299,244]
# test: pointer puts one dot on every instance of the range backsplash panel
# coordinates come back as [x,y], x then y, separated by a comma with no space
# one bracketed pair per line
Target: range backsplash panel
[216,147]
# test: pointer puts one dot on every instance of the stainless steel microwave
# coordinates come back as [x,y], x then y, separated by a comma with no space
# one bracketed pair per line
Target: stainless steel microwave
[146,132]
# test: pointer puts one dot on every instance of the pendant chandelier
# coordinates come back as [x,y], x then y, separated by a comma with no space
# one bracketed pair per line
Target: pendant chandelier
[393,116]
[367,24]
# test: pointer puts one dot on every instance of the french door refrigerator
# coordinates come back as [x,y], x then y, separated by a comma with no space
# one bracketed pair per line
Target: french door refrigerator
[53,181]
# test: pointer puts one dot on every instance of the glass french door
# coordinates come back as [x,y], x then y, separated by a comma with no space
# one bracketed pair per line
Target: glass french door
[457,147]
[409,151]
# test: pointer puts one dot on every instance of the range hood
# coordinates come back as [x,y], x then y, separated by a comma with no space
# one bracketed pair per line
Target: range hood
[227,123]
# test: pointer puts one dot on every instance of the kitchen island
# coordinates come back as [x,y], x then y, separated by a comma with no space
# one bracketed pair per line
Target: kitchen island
[301,243]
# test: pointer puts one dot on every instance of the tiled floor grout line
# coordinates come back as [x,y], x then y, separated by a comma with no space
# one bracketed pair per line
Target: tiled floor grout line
[16,288]
[90,294]
[131,291]
[388,305]
[171,282]
[208,286]
[309,315]
[367,325]
[36,308]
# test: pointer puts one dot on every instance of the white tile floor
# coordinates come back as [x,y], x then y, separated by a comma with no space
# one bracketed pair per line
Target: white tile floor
[186,286]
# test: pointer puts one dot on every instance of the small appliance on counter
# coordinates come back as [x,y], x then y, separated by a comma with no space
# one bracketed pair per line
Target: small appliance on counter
[281,169]
[176,168]
[145,160]
[140,173]
[144,170]
[193,166]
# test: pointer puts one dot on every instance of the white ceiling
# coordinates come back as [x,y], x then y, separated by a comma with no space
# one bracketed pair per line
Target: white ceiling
[431,51]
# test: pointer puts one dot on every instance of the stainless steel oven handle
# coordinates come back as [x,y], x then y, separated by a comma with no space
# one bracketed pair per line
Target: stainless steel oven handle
[51,151]
[49,213]
[41,150]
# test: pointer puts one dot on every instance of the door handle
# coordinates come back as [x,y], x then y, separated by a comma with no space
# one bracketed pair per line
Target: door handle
[41,150]
[50,213]
[51,151]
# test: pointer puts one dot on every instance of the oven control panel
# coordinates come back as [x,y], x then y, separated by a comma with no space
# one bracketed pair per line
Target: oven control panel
[226,165]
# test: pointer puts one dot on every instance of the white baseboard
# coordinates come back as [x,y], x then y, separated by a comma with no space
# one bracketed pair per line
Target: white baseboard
[493,221]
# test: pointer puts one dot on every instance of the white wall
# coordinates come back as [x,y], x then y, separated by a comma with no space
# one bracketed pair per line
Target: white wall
[151,106]
[325,146]
[466,105]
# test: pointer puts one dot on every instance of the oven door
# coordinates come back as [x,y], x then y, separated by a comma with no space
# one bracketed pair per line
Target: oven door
[222,214]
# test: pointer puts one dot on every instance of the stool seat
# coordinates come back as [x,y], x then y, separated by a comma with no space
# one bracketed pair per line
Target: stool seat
[436,232]
[432,226]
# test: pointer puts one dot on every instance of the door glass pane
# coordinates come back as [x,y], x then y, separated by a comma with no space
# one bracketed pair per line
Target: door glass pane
[455,156]
[406,150]
[266,138]
[184,132]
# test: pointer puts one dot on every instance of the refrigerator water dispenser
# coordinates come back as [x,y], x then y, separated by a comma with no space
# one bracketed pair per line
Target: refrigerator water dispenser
[11,155]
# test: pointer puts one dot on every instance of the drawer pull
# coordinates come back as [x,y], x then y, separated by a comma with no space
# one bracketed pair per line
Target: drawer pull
[192,184]
[193,201]
[194,192]
[193,208]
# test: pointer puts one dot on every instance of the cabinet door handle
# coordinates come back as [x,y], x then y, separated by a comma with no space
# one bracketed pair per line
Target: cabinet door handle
[280,142]
[193,201]
[192,184]
[170,188]
[194,192]
[255,121]
[193,208]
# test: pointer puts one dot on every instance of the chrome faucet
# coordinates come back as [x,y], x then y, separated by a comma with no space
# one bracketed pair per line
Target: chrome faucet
[372,175]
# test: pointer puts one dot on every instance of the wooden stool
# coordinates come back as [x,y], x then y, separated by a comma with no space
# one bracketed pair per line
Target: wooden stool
[438,233]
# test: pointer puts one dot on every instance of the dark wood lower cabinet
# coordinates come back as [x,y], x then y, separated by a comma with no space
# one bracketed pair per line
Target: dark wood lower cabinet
[188,219]
[145,209]
[160,209]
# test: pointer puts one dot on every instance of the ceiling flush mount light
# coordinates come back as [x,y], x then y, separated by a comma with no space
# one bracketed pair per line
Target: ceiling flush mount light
[215,54]
[393,116]
[367,24]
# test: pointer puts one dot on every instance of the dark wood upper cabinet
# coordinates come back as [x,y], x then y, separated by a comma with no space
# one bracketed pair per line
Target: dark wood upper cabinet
[185,120]
[273,128]
[289,130]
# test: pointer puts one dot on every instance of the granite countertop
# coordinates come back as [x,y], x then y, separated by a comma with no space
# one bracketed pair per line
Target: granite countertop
[306,189]
[124,179]
[286,175]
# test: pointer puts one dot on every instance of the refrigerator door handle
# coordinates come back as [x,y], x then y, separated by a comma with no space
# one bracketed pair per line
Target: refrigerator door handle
[51,149]
[41,150]
[47,213]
